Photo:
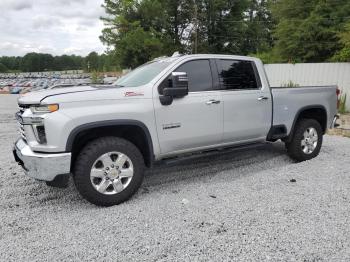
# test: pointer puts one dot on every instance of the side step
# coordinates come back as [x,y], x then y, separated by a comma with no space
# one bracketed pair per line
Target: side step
[211,152]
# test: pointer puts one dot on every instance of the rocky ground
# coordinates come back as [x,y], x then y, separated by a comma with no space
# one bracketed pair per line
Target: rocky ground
[238,206]
[344,126]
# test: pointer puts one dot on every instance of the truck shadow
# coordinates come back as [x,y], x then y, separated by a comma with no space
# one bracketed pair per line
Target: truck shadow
[252,160]
[227,166]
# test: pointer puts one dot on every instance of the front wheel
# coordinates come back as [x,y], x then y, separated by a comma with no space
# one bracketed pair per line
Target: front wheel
[306,141]
[108,171]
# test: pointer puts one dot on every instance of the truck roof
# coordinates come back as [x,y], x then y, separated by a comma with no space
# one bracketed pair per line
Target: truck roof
[176,56]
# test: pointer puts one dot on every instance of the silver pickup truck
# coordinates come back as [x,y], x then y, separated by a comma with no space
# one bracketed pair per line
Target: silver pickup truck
[171,107]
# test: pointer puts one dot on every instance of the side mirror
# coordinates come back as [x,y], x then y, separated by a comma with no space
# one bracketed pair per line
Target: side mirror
[179,85]
[178,88]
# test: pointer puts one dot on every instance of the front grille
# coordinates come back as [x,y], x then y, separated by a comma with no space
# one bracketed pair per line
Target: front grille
[22,108]
[21,130]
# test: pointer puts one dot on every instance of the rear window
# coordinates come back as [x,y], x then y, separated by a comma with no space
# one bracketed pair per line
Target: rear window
[237,75]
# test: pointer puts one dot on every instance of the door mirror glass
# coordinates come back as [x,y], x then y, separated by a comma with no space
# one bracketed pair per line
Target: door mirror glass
[179,88]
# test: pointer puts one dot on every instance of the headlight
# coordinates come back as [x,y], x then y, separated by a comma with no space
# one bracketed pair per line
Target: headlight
[40,109]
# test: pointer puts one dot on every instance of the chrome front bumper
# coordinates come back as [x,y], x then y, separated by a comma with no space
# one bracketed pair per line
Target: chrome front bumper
[41,166]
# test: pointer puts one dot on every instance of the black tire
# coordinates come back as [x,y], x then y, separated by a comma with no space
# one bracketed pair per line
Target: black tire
[86,159]
[294,147]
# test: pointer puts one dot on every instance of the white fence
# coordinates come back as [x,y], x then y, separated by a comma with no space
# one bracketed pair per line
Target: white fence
[309,74]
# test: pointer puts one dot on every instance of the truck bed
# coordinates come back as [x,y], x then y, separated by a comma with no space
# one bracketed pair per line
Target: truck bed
[288,102]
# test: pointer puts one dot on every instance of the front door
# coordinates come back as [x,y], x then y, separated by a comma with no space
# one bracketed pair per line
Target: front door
[194,121]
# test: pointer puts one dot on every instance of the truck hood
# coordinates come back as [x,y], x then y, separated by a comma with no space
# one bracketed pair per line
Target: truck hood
[36,97]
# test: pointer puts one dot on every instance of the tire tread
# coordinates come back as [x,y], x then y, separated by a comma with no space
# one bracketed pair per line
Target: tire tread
[90,153]
[294,147]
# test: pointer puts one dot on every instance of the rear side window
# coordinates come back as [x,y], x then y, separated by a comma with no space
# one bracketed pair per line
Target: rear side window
[199,75]
[237,75]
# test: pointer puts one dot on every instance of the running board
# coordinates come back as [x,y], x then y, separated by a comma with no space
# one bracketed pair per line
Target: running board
[206,153]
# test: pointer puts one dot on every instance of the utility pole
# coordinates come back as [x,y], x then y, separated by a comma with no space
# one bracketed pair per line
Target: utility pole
[195,28]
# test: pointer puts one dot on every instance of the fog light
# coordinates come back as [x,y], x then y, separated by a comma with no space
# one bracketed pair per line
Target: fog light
[40,135]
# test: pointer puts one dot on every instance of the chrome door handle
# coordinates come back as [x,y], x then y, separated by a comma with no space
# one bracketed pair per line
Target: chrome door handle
[212,101]
[261,98]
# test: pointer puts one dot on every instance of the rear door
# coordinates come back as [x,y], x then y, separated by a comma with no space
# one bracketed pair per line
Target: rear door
[196,120]
[247,105]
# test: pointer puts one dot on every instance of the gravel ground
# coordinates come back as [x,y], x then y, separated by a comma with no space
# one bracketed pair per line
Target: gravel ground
[237,206]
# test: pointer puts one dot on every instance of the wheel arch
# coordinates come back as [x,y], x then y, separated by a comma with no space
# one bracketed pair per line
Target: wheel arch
[133,130]
[316,112]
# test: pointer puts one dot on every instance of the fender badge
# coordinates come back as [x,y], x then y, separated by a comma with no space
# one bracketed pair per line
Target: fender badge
[133,94]
[172,125]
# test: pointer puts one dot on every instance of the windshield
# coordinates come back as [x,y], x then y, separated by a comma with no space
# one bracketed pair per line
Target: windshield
[142,75]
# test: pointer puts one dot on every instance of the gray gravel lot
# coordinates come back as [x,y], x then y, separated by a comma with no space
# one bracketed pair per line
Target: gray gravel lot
[237,206]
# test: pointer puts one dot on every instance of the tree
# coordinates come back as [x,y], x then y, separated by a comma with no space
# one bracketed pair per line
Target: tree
[36,62]
[138,30]
[134,44]
[92,62]
[259,27]
[227,26]
[308,32]
[3,68]
[343,55]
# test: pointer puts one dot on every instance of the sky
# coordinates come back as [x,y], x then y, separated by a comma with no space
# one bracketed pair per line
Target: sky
[56,27]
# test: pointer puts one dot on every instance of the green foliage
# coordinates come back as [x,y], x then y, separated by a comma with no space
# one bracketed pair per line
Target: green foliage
[66,62]
[343,55]
[268,57]
[138,46]
[308,31]
[342,104]
[33,62]
[290,84]
[139,30]
[276,31]
[3,68]
[36,62]
[95,77]
[91,62]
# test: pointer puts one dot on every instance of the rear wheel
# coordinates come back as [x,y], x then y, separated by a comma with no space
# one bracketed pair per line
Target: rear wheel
[108,171]
[306,141]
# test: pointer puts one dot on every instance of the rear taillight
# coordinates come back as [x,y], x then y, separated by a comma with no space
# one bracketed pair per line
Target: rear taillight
[338,97]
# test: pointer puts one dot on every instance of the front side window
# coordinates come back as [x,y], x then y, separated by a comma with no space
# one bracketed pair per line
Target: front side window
[198,73]
[237,75]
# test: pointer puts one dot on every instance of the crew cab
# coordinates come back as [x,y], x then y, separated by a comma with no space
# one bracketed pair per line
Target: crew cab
[171,107]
